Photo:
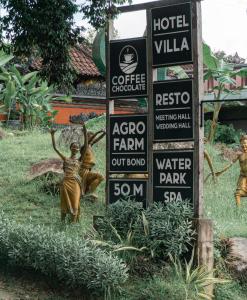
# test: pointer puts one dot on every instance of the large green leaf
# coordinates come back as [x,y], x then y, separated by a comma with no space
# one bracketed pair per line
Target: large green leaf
[10,89]
[209,59]
[67,99]
[226,80]
[17,75]
[241,72]
[179,72]
[4,77]
[5,58]
[28,76]
[98,51]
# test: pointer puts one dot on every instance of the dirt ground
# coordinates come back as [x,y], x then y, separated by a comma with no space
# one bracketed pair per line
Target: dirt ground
[17,284]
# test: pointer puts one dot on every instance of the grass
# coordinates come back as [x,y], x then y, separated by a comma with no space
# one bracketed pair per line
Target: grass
[219,199]
[23,201]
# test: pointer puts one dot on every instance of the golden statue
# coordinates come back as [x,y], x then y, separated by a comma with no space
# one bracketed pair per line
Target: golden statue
[70,187]
[241,190]
[90,180]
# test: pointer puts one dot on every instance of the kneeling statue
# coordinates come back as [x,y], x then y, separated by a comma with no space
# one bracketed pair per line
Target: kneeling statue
[90,180]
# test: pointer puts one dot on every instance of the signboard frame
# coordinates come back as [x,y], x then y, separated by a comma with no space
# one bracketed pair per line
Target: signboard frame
[197,92]
[189,61]
[176,151]
[147,141]
[202,225]
[128,96]
[158,140]
[143,180]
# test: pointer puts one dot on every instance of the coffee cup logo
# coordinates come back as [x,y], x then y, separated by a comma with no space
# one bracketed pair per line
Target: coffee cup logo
[128,59]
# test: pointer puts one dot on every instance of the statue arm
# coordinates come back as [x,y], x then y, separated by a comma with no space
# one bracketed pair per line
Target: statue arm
[103,133]
[226,167]
[52,131]
[91,140]
[85,145]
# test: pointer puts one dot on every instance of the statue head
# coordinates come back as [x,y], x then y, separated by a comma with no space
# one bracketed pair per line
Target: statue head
[74,148]
[243,142]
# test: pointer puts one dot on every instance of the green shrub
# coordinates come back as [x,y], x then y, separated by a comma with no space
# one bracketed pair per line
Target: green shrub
[72,260]
[169,229]
[226,134]
[161,228]
[230,291]
[122,215]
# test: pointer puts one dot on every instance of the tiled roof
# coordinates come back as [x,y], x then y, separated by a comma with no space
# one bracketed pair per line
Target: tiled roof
[189,68]
[81,60]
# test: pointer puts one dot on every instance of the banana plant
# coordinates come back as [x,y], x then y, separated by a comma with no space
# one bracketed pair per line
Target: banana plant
[224,75]
[4,59]
[32,95]
[221,72]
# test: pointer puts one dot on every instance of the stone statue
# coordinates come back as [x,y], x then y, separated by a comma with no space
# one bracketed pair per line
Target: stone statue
[90,180]
[70,187]
[241,190]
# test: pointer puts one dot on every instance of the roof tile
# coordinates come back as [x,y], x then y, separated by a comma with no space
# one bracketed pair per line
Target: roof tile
[81,60]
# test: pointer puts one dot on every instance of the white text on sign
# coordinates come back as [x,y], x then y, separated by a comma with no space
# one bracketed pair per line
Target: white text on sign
[168,23]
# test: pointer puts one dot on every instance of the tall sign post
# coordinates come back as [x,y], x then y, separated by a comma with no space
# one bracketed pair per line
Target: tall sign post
[127,135]
[174,38]
[109,102]
[204,227]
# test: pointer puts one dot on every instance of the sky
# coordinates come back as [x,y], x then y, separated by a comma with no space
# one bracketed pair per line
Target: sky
[224,25]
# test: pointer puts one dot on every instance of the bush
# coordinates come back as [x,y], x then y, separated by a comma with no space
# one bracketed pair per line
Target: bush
[169,229]
[122,215]
[161,228]
[72,260]
[230,291]
[226,134]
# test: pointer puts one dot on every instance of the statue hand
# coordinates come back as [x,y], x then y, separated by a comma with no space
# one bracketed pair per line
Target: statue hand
[52,131]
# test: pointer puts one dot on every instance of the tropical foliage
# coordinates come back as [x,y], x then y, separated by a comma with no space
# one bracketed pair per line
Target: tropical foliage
[44,29]
[4,59]
[158,230]
[96,11]
[196,279]
[27,92]
[224,74]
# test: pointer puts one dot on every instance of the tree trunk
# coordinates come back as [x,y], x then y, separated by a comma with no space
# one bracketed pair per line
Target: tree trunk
[213,127]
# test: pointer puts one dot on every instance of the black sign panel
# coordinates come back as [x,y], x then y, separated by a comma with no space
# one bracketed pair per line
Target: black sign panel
[173,110]
[134,189]
[128,68]
[171,35]
[128,143]
[172,176]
